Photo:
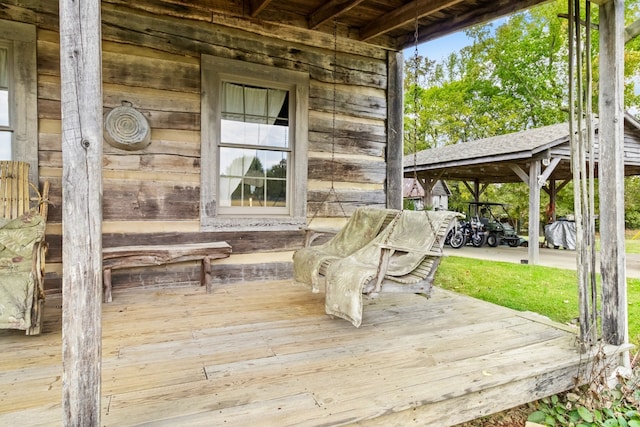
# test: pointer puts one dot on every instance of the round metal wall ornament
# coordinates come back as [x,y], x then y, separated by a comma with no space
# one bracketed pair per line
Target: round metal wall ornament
[126,128]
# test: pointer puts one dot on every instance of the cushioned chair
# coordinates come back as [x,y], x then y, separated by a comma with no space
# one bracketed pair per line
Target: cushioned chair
[22,249]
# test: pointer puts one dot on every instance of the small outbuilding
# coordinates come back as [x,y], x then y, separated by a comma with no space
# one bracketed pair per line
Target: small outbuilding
[412,190]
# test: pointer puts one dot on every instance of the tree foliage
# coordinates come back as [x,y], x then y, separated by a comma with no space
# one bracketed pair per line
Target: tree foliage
[512,77]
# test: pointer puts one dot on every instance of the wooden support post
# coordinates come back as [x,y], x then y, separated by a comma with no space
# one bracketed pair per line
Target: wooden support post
[81,99]
[395,129]
[534,212]
[611,174]
[107,297]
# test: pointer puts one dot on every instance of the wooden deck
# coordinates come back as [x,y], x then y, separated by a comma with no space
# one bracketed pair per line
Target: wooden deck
[266,354]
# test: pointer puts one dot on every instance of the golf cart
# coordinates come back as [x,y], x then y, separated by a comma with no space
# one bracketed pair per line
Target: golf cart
[498,226]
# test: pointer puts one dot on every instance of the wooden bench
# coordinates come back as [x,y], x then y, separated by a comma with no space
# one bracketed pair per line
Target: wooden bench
[148,255]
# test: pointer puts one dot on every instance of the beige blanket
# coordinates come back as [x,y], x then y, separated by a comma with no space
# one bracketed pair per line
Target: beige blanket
[362,227]
[415,232]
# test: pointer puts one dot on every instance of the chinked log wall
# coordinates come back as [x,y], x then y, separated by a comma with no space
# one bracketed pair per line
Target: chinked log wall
[151,58]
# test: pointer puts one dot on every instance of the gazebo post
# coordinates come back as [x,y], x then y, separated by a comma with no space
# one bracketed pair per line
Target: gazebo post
[534,212]
[553,192]
[476,190]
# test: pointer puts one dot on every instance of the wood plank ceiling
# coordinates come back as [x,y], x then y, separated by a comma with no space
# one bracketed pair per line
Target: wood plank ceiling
[387,23]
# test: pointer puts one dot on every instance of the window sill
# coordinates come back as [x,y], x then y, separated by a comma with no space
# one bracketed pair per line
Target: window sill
[239,223]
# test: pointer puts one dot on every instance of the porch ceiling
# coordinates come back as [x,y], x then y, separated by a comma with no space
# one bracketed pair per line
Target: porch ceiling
[389,23]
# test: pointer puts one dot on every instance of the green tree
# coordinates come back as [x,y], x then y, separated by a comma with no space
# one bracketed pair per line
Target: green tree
[511,78]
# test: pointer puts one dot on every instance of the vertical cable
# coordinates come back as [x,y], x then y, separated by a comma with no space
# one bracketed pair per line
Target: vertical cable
[334,73]
[583,167]
[592,166]
[416,68]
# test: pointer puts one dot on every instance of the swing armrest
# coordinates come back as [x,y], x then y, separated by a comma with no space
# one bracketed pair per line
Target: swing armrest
[394,248]
[312,233]
[385,256]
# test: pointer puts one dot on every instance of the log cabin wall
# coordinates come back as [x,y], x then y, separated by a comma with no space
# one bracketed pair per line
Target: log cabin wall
[151,58]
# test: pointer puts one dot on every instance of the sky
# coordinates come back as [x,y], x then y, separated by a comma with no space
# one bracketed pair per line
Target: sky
[440,48]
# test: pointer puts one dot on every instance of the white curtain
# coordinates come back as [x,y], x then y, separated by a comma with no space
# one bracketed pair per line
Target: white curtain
[253,101]
[4,69]
[233,96]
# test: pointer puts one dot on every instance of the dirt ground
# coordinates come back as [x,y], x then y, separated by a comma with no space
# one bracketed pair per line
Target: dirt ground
[515,417]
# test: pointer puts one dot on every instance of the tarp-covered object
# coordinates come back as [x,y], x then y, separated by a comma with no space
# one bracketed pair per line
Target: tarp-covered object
[362,227]
[18,283]
[561,233]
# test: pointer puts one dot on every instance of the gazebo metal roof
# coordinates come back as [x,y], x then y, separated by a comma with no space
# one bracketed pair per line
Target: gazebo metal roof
[491,160]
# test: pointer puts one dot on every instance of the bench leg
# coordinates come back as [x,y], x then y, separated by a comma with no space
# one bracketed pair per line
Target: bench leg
[205,274]
[106,285]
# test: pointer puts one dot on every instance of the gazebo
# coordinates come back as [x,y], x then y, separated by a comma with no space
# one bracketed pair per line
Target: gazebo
[541,158]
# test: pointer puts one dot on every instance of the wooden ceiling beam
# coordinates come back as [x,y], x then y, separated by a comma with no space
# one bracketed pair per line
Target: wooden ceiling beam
[258,6]
[404,15]
[331,10]
[475,16]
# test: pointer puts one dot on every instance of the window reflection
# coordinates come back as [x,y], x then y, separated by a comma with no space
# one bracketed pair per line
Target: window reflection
[253,178]
[244,133]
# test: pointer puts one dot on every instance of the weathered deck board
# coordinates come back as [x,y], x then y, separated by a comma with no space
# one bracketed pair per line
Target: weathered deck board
[266,353]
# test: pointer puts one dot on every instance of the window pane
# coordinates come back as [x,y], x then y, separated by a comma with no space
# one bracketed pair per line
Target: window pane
[5,146]
[4,107]
[243,133]
[252,178]
[255,116]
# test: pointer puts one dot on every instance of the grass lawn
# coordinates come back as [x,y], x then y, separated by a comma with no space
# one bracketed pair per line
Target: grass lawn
[632,246]
[552,292]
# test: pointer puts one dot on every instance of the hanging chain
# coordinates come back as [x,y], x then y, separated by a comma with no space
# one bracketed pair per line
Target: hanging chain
[416,67]
[332,190]
[333,127]
[335,93]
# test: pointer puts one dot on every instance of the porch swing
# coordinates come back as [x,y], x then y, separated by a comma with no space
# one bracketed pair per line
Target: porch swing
[377,251]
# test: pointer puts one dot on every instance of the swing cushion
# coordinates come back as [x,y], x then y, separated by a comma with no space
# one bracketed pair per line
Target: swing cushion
[415,237]
[361,228]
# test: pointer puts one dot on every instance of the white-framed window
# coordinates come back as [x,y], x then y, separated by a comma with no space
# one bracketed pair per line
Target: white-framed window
[19,94]
[254,139]
[6,128]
